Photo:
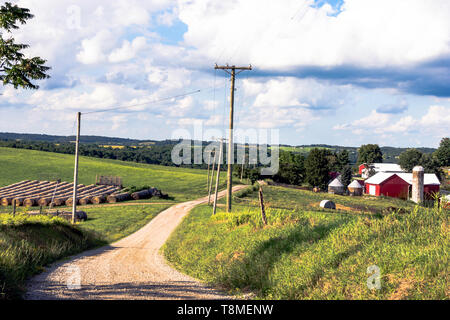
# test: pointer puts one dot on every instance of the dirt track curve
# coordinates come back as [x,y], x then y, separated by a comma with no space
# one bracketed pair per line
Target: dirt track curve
[131,268]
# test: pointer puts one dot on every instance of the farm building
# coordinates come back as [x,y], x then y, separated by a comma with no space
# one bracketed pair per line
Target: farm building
[355,188]
[398,185]
[380,167]
[336,187]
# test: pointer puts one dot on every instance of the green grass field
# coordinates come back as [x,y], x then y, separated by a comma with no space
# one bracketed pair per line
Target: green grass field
[309,253]
[180,183]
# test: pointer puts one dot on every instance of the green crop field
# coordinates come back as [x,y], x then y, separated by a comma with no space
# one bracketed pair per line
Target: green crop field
[309,253]
[180,183]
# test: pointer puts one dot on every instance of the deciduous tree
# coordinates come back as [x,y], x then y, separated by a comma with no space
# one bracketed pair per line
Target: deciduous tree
[15,68]
[370,153]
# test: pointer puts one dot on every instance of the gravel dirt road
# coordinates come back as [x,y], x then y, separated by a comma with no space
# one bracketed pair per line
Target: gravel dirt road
[131,268]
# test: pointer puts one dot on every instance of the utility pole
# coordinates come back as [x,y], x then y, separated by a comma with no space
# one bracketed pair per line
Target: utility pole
[230,139]
[209,164]
[218,176]
[242,167]
[212,176]
[75,173]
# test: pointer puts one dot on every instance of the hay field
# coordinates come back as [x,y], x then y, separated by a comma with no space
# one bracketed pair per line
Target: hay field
[180,183]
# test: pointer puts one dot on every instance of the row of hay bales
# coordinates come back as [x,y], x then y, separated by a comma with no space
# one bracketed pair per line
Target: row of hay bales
[43,193]
[139,195]
[354,188]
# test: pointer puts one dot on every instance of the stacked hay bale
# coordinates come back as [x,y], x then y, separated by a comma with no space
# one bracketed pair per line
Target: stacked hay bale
[113,198]
[144,194]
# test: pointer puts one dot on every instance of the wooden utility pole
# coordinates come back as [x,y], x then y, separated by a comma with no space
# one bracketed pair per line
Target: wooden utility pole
[207,179]
[242,167]
[218,176]
[75,173]
[230,139]
[212,176]
[261,203]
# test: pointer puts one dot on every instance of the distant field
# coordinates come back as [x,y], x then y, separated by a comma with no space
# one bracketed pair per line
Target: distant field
[303,150]
[180,183]
[309,253]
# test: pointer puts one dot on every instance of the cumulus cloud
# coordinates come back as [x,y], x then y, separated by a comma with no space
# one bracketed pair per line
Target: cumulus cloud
[310,63]
[293,92]
[435,122]
[128,50]
[362,33]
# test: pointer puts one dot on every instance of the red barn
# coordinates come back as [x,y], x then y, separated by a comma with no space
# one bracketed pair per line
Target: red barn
[398,185]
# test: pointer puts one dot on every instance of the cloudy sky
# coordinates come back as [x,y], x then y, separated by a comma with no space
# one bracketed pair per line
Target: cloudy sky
[345,72]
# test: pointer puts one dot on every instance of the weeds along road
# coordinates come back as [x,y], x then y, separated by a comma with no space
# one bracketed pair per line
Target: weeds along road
[131,268]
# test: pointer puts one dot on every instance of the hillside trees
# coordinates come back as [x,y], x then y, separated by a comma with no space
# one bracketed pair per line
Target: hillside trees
[317,168]
[346,176]
[370,153]
[343,159]
[409,159]
[413,157]
[442,154]
[291,169]
[15,68]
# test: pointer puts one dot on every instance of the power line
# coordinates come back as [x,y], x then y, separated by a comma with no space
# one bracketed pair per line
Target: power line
[144,103]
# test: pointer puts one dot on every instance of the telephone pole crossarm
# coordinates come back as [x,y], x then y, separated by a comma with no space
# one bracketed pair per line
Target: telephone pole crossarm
[230,140]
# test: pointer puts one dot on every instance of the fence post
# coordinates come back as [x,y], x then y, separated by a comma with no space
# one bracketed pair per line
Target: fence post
[261,203]
[14,207]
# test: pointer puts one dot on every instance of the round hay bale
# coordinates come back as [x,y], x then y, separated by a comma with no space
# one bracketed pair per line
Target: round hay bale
[69,201]
[85,201]
[59,201]
[118,197]
[30,202]
[81,215]
[327,204]
[6,201]
[43,202]
[144,194]
[98,199]
[19,201]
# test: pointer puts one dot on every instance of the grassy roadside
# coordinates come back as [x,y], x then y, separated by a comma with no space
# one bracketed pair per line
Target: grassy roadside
[315,254]
[28,243]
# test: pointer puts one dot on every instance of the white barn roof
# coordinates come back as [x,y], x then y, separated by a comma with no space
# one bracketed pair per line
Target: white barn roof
[387,167]
[380,177]
[428,178]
